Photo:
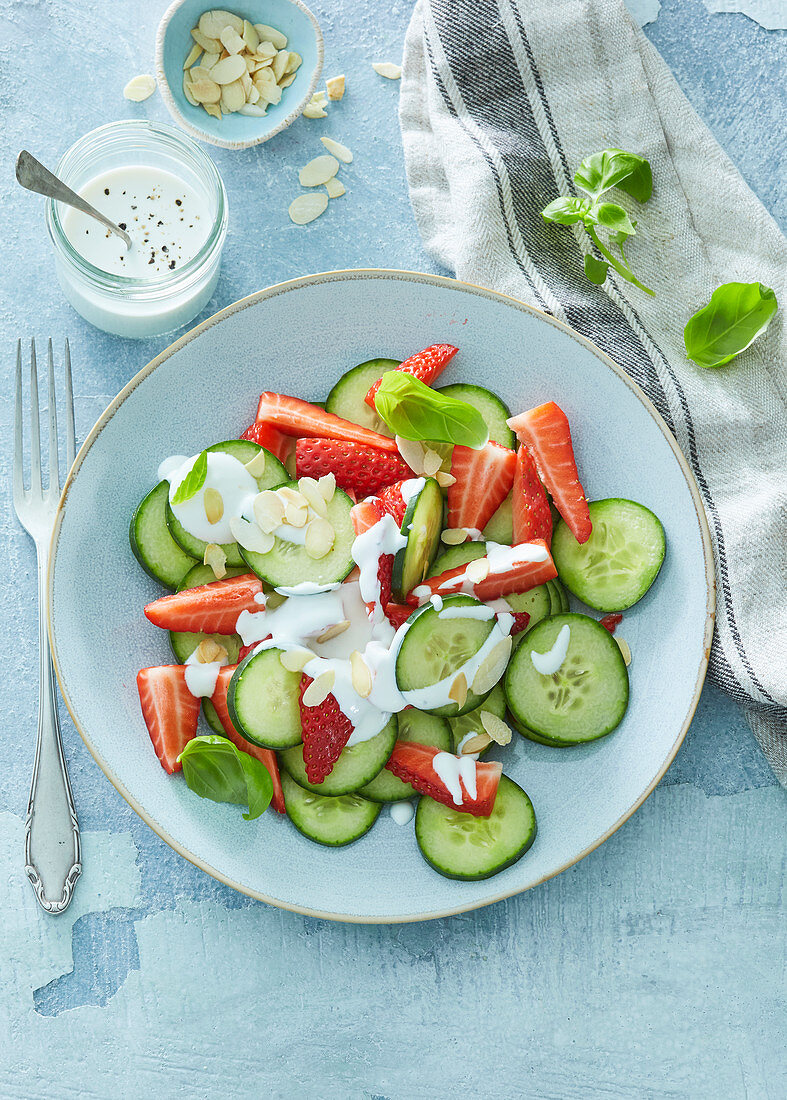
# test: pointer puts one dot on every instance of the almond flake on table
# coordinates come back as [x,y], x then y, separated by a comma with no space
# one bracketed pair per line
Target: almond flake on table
[335,86]
[140,88]
[318,171]
[335,188]
[306,208]
[341,152]
[315,108]
[387,69]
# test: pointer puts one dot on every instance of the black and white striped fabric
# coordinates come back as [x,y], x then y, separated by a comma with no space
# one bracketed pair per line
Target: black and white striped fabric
[500,101]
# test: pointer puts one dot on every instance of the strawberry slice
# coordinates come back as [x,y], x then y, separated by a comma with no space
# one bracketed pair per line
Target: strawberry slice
[393,502]
[356,467]
[425,365]
[521,621]
[483,481]
[609,622]
[397,613]
[414,764]
[364,515]
[266,756]
[546,432]
[518,575]
[326,730]
[279,444]
[170,711]
[531,512]
[295,417]
[244,651]
[213,608]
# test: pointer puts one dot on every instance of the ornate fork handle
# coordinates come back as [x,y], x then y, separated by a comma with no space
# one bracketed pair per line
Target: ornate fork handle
[53,855]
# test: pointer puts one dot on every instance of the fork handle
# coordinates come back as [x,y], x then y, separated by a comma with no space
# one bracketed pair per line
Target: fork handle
[53,855]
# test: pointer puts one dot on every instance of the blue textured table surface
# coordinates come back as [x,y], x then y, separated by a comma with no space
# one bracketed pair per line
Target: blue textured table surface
[655,968]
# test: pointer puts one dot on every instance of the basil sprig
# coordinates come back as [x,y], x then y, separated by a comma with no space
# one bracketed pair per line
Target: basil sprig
[596,175]
[413,410]
[735,316]
[214,768]
[193,481]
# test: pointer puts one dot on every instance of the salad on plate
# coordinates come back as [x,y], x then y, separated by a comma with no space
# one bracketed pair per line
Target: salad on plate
[369,594]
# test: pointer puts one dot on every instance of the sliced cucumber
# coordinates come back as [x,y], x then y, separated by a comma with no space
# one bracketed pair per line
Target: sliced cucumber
[462,846]
[457,555]
[435,649]
[501,526]
[588,695]
[537,603]
[532,736]
[346,399]
[556,598]
[620,560]
[244,450]
[263,701]
[333,821]
[356,766]
[287,564]
[470,724]
[494,412]
[152,544]
[422,524]
[185,642]
[212,718]
[412,725]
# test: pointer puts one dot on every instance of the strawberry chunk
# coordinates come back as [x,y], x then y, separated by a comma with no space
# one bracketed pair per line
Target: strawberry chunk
[265,756]
[483,481]
[326,730]
[532,515]
[414,764]
[521,621]
[295,417]
[609,622]
[393,502]
[213,608]
[366,513]
[356,467]
[546,432]
[517,576]
[424,365]
[279,444]
[397,613]
[170,711]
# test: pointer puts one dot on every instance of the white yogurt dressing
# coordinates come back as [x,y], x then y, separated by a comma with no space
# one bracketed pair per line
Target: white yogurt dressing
[437,602]
[451,769]
[225,474]
[307,588]
[548,663]
[411,488]
[467,737]
[402,812]
[437,694]
[201,678]
[482,612]
[383,537]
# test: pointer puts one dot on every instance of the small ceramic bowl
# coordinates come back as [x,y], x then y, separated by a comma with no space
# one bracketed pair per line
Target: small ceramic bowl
[236,131]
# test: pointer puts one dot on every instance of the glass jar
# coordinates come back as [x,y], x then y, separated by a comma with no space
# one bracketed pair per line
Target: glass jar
[130,306]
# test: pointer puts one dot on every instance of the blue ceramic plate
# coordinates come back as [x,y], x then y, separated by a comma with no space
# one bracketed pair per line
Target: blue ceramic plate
[299,337]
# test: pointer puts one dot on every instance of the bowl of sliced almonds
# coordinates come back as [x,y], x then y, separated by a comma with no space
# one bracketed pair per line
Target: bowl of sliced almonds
[236,78]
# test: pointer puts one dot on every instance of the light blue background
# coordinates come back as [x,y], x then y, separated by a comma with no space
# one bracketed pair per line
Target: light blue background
[654,968]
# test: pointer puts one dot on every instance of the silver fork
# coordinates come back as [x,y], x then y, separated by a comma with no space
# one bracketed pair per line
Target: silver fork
[53,857]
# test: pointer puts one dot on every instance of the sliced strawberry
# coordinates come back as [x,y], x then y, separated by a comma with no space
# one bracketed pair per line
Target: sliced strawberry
[170,711]
[326,730]
[384,578]
[425,365]
[518,576]
[279,444]
[213,608]
[393,501]
[414,763]
[397,613]
[356,467]
[521,621]
[532,515]
[295,417]
[546,432]
[266,756]
[483,481]
[244,651]
[366,513]
[609,622]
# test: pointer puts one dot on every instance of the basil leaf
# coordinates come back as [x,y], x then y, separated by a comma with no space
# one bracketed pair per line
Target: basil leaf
[193,481]
[413,410]
[565,211]
[596,270]
[735,316]
[615,168]
[214,768]
[613,217]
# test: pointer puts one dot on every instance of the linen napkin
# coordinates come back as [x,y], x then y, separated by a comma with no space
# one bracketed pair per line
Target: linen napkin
[500,101]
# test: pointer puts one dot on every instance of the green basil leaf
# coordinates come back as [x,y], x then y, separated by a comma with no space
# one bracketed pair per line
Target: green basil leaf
[615,168]
[193,481]
[413,410]
[612,217]
[735,316]
[214,768]
[596,270]
[565,211]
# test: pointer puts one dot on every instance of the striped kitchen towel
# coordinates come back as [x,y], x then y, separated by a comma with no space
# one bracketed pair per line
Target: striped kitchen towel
[500,101]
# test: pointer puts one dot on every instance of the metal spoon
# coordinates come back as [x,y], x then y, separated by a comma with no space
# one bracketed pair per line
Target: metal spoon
[32,175]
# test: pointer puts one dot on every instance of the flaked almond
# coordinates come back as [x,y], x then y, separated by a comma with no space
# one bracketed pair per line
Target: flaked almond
[209,651]
[624,648]
[187,91]
[314,109]
[270,34]
[268,510]
[232,41]
[280,63]
[444,479]
[294,62]
[432,462]
[195,53]
[310,491]
[319,689]
[250,537]
[206,91]
[214,505]
[270,92]
[291,496]
[335,188]
[335,86]
[319,539]
[492,667]
[212,23]
[360,674]
[458,690]
[266,51]
[208,44]
[327,484]
[318,171]
[287,80]
[477,571]
[498,730]
[341,152]
[296,514]
[209,60]
[295,659]
[212,109]
[387,69]
[228,69]
[250,36]
[140,87]
[215,557]
[256,465]
[233,97]
[412,452]
[333,631]
[253,109]
[477,743]
[454,536]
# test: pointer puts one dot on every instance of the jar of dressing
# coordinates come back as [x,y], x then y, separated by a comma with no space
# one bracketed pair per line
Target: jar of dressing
[166,193]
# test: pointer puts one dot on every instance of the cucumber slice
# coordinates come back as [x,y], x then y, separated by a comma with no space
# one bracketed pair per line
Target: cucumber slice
[331,821]
[501,526]
[287,564]
[244,450]
[412,725]
[461,846]
[564,604]
[556,598]
[185,642]
[537,603]
[532,736]
[263,701]
[620,560]
[588,695]
[346,399]
[356,766]
[435,649]
[457,555]
[212,718]
[470,724]
[494,412]
[152,544]
[422,524]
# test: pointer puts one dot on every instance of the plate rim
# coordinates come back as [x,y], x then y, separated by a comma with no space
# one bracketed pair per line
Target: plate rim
[440,281]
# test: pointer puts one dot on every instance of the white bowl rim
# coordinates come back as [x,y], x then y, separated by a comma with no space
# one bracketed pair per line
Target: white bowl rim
[204,135]
[432,280]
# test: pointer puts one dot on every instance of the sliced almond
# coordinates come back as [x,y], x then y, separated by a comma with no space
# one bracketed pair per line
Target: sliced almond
[215,557]
[360,674]
[140,87]
[214,505]
[270,34]
[492,667]
[432,462]
[233,96]
[312,110]
[327,485]
[206,91]
[212,23]
[248,87]
[335,86]
[232,41]
[253,109]
[306,208]
[444,480]
[252,96]
[458,690]
[296,514]
[477,743]
[280,63]
[209,60]
[335,188]
[212,109]
[294,659]
[333,631]
[228,69]
[250,537]
[209,650]
[287,80]
[319,538]
[624,648]
[498,730]
[294,62]
[208,44]
[341,152]
[270,92]
[454,536]
[266,51]
[387,69]
[268,510]
[412,452]
[477,571]
[310,490]
[291,496]
[250,36]
[199,72]
[319,689]
[318,171]
[187,91]
[195,53]
[256,465]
